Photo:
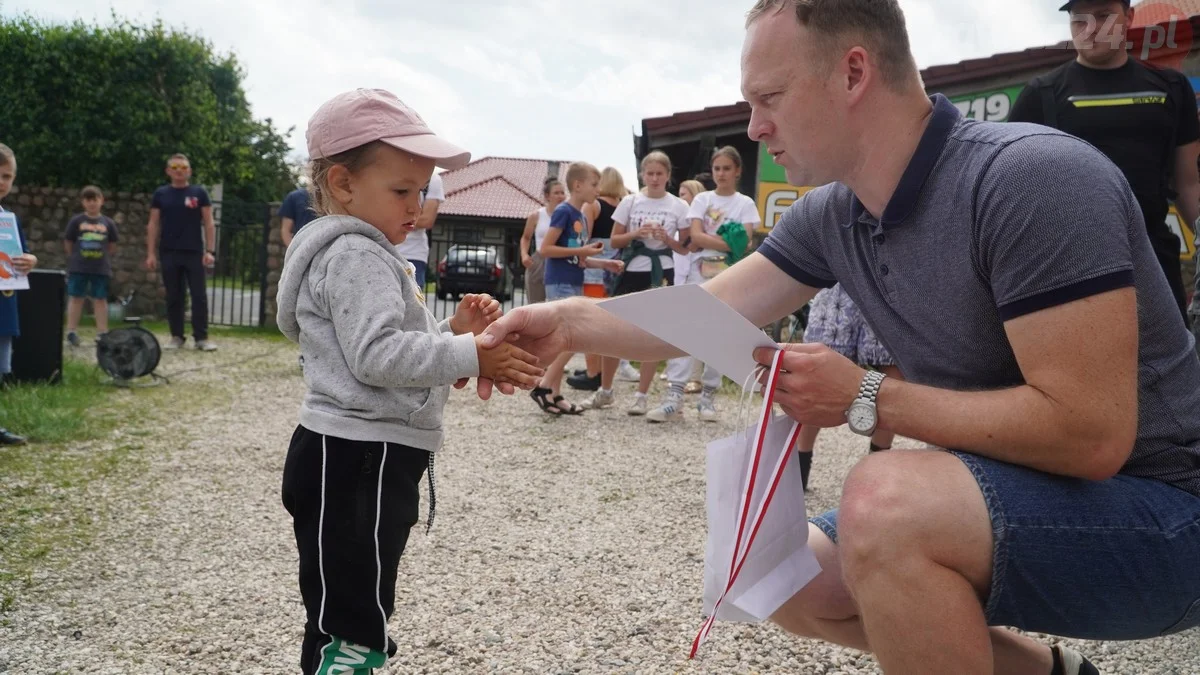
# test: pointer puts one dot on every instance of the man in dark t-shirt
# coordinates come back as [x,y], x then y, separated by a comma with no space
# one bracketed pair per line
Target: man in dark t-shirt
[182,214]
[1141,117]
[294,213]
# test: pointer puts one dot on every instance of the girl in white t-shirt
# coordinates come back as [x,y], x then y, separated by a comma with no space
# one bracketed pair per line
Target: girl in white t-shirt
[688,191]
[536,227]
[709,212]
[645,229]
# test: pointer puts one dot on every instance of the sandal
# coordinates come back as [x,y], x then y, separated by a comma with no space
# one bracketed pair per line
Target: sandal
[540,395]
[573,410]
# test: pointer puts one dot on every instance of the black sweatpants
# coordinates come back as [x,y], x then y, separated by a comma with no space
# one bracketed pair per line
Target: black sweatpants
[185,270]
[352,505]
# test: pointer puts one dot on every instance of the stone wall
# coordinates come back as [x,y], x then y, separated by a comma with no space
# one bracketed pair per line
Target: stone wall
[43,214]
[275,251]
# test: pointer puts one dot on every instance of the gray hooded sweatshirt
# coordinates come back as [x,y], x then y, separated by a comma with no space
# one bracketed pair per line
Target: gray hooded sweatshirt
[377,364]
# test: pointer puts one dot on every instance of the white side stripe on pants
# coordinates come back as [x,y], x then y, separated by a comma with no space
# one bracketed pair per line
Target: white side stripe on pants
[378,565]
[320,538]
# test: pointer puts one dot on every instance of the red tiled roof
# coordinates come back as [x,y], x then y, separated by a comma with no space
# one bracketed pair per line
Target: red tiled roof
[1150,12]
[497,187]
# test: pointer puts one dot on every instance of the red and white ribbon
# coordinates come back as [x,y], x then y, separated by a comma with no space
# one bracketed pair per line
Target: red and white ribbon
[740,554]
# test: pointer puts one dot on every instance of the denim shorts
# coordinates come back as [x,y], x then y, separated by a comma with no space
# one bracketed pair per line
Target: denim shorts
[87,286]
[561,291]
[1095,560]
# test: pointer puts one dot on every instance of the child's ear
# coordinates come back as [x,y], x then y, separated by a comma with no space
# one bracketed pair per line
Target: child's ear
[340,184]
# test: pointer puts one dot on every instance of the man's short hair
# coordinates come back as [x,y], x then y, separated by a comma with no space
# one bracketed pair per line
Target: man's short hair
[878,24]
[91,192]
[179,155]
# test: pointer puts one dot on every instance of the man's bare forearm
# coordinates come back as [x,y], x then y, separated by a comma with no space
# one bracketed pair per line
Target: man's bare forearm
[152,236]
[1074,414]
[1188,204]
[1018,425]
[596,331]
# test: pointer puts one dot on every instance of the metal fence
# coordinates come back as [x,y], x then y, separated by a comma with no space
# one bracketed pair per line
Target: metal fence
[238,281]
[459,266]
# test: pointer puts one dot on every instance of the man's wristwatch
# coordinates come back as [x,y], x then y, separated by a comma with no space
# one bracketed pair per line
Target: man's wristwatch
[861,415]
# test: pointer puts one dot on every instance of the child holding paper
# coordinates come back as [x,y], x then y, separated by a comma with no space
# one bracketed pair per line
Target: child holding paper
[22,264]
[378,368]
[567,256]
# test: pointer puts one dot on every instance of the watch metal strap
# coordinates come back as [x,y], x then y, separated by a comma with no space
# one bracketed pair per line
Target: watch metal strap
[869,388]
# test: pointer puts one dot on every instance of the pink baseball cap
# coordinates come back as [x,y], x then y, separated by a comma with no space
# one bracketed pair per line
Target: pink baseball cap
[358,117]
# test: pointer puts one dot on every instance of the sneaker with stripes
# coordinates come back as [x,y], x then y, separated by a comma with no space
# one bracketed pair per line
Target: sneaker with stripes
[670,410]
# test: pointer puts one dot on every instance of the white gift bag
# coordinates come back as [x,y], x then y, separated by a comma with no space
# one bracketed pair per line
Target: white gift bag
[757,555]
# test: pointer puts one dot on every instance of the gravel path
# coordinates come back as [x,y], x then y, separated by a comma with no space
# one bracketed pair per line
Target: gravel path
[575,546]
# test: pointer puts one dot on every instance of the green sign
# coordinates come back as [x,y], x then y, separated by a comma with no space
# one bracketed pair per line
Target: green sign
[768,170]
[988,106]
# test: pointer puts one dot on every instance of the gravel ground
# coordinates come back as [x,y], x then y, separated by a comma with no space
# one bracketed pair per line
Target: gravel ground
[561,545]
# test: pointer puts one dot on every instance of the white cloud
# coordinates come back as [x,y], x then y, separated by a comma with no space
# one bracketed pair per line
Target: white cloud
[531,78]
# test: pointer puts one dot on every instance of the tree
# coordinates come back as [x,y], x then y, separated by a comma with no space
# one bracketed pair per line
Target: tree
[107,105]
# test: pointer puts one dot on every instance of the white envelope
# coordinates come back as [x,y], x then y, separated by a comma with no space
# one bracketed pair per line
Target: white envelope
[697,322]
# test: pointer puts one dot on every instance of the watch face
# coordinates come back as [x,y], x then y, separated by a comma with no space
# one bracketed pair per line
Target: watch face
[861,416]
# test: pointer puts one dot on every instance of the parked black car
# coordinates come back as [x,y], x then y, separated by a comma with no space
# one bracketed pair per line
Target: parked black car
[473,269]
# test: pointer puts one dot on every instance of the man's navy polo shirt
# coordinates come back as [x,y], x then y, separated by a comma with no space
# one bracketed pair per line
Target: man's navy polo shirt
[992,221]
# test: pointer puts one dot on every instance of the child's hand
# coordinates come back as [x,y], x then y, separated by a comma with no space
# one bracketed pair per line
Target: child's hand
[594,248]
[24,263]
[506,363]
[614,266]
[475,313]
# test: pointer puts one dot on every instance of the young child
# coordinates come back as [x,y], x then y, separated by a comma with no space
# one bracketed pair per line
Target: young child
[9,319]
[712,213]
[644,229]
[378,368]
[567,256]
[90,241]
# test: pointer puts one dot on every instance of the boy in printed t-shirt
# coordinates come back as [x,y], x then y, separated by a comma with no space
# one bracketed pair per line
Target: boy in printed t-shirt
[567,255]
[90,242]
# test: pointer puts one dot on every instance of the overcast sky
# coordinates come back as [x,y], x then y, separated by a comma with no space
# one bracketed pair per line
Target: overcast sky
[543,79]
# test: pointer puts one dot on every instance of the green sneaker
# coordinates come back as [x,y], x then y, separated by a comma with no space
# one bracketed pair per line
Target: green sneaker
[345,658]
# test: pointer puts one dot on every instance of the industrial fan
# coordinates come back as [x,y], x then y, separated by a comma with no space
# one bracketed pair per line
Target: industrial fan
[129,353]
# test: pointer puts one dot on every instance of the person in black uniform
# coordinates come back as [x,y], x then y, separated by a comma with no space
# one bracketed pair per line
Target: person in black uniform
[1141,116]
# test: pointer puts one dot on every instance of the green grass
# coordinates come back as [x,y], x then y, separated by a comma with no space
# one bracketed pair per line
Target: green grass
[58,413]
[41,511]
[232,283]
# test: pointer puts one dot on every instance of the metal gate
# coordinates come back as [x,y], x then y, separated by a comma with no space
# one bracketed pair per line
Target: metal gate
[463,262]
[238,281]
